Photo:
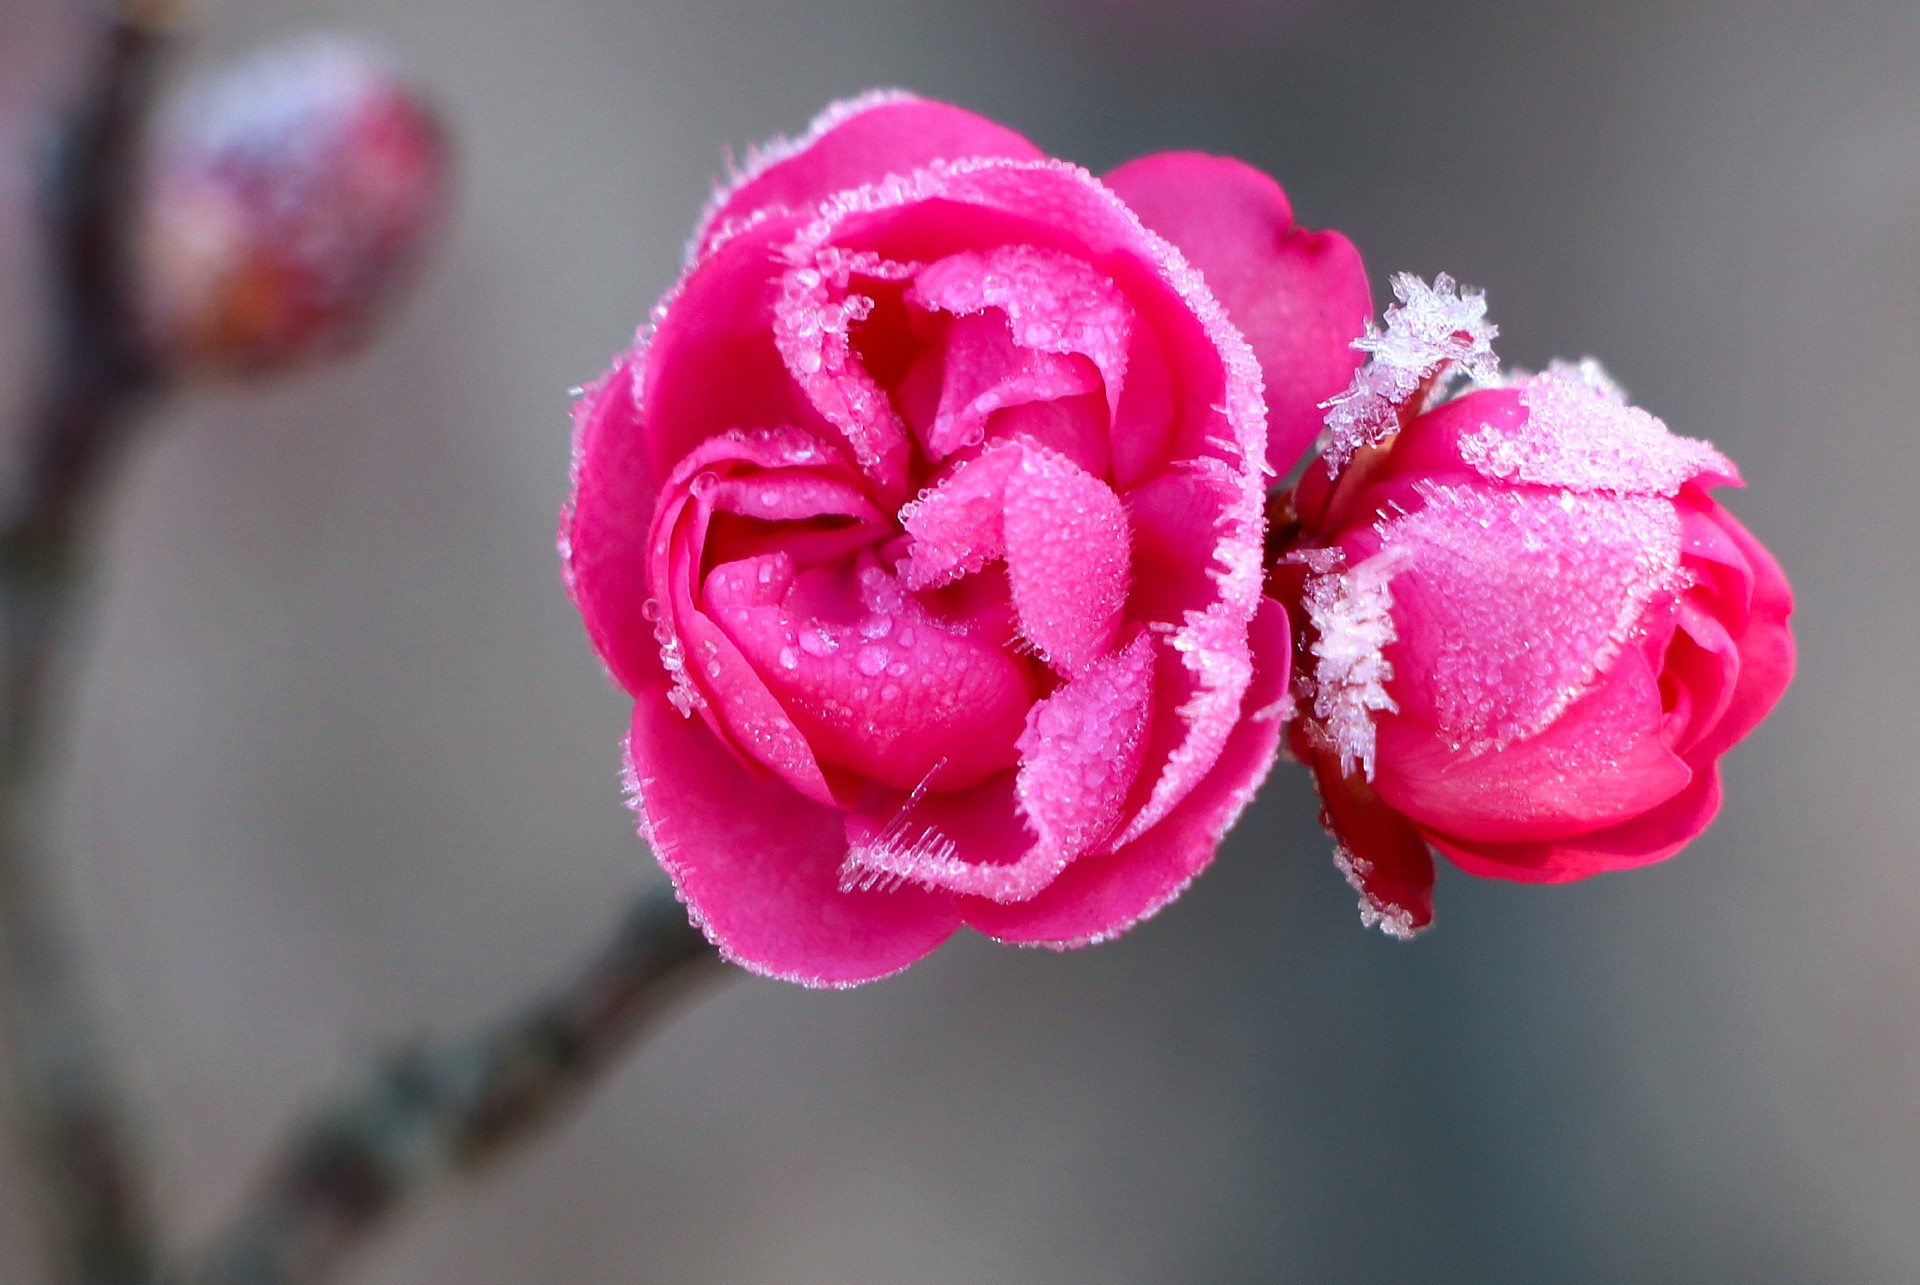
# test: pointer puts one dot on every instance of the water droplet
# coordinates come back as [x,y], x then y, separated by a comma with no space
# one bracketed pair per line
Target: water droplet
[788,660]
[876,626]
[872,659]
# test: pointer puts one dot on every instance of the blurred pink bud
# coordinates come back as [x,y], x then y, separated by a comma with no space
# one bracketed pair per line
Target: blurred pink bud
[1527,634]
[290,202]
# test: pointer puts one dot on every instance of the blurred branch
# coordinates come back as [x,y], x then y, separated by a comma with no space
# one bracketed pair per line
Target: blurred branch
[420,1116]
[429,1113]
[92,1195]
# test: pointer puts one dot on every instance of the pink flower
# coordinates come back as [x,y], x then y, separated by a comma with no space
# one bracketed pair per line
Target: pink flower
[1527,634]
[924,526]
[291,202]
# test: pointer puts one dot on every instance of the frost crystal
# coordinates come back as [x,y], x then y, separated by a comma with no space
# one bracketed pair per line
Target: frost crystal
[1431,332]
[1394,921]
[1581,435]
[1529,597]
[1353,613]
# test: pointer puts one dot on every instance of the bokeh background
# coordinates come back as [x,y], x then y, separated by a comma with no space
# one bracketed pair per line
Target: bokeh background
[343,769]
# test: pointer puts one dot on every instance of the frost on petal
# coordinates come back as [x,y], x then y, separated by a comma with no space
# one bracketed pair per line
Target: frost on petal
[1063,532]
[1430,332]
[851,142]
[1215,660]
[758,865]
[1068,558]
[1515,601]
[811,328]
[1079,755]
[1107,891]
[957,526]
[1299,297]
[1378,851]
[1394,921]
[1082,749]
[872,683]
[1054,303]
[982,372]
[1352,612]
[1580,434]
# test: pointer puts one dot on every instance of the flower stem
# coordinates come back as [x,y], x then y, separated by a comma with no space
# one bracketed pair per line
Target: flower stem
[92,1194]
[427,1113]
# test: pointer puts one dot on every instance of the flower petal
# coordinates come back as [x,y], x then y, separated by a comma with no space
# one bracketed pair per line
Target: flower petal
[1603,759]
[1383,856]
[1101,896]
[603,531]
[1765,642]
[854,142]
[1068,558]
[759,866]
[1652,836]
[1301,298]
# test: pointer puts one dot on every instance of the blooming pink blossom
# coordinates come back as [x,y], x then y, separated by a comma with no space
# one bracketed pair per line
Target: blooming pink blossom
[290,203]
[1527,634]
[924,525]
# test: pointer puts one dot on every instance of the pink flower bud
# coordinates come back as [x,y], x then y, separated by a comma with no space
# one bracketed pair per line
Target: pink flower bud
[289,205]
[1526,632]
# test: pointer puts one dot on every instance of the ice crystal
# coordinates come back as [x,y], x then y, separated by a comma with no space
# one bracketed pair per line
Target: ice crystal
[1431,333]
[1352,611]
[1394,921]
[1580,434]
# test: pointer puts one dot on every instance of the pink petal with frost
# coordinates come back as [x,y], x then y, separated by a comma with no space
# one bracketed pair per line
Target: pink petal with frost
[1382,855]
[1081,749]
[1510,604]
[1054,303]
[1101,896]
[883,692]
[759,866]
[1584,438]
[1076,427]
[975,837]
[1068,558]
[710,675]
[1603,759]
[812,329]
[1079,754]
[603,531]
[1301,298]
[854,142]
[982,372]
[958,526]
[715,319]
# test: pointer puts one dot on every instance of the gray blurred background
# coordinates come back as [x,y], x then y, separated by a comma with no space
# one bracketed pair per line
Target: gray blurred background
[344,768]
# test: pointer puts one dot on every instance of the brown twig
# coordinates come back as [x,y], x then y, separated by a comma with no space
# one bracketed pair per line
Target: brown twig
[422,1115]
[428,1113]
[91,1191]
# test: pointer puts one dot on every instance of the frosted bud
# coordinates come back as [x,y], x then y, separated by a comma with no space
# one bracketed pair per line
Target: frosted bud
[289,204]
